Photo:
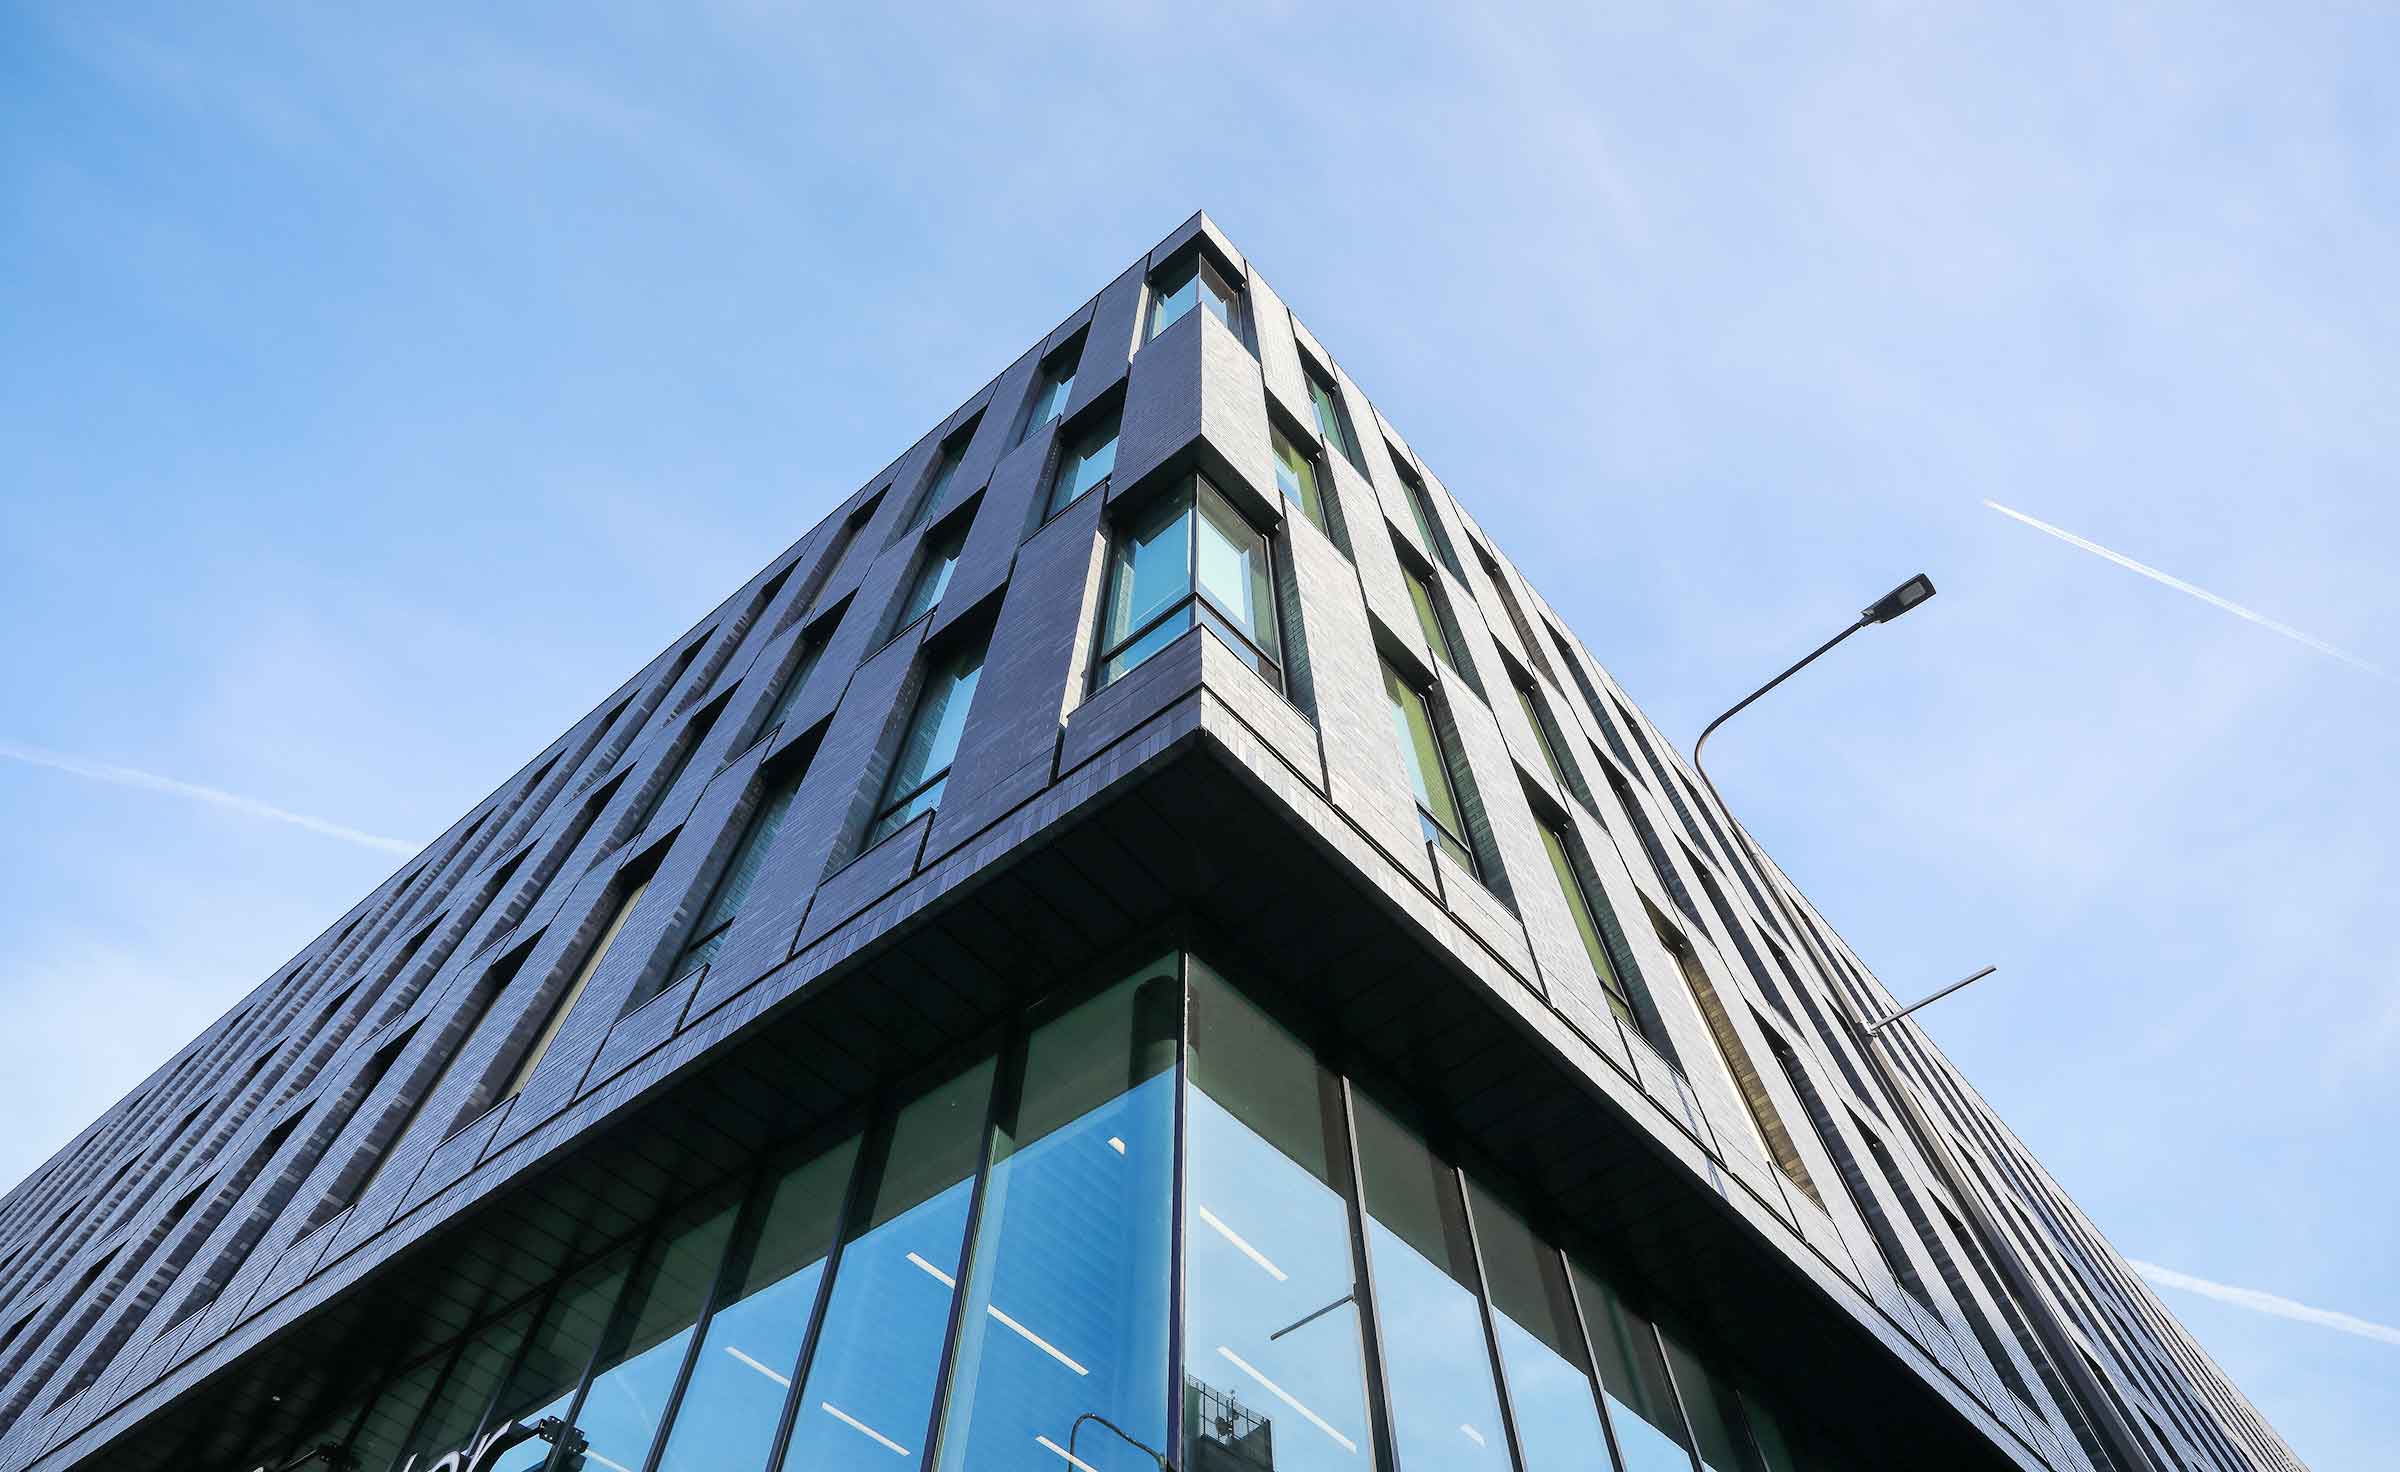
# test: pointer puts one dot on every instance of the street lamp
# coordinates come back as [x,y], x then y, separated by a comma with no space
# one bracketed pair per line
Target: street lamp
[2047,1323]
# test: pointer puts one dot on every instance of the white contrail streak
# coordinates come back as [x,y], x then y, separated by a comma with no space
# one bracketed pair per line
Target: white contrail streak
[2180,586]
[59,761]
[2267,1303]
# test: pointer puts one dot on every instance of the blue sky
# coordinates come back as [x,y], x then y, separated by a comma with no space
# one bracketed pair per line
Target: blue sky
[343,353]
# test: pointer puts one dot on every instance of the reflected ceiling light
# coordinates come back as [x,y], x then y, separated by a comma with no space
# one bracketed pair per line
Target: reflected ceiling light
[1242,1247]
[946,1280]
[1070,1456]
[1473,1435]
[1036,1340]
[1119,1146]
[781,1379]
[861,1427]
[1285,1396]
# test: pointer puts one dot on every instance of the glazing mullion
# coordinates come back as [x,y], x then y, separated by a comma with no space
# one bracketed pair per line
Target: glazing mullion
[548,1296]
[1491,1334]
[1379,1390]
[738,1245]
[643,1242]
[1177,1366]
[1008,1078]
[1591,1356]
[1666,1363]
[874,1140]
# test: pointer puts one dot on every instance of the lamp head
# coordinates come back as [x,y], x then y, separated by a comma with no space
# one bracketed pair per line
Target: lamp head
[1898,601]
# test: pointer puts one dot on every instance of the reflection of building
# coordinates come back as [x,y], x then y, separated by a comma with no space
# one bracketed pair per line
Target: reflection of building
[1225,1433]
[1141,912]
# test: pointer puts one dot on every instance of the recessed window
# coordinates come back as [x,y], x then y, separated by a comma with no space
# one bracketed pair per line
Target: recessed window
[1429,616]
[1420,511]
[1332,422]
[931,744]
[741,872]
[1427,757]
[1189,556]
[1302,480]
[812,648]
[1056,383]
[1539,719]
[1194,280]
[933,578]
[1582,906]
[567,999]
[1090,454]
[945,470]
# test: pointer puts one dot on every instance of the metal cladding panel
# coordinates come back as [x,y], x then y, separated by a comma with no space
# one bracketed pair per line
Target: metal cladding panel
[218,1228]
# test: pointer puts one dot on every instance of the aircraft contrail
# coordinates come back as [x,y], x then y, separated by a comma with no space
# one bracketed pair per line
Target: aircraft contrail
[2267,1303]
[2180,586]
[59,761]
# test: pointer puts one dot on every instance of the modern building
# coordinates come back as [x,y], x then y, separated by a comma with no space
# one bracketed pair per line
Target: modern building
[1140,941]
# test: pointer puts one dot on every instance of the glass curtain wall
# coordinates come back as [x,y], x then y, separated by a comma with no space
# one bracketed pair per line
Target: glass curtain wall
[1151,1228]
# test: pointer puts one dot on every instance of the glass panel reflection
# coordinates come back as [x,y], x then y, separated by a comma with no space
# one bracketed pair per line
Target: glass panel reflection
[1445,1411]
[449,1422]
[621,1410]
[1066,1313]
[1714,1412]
[1633,1378]
[1275,1377]
[1541,1345]
[729,1409]
[543,1383]
[868,1396]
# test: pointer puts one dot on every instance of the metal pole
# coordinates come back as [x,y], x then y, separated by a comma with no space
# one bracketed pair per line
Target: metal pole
[1876,1027]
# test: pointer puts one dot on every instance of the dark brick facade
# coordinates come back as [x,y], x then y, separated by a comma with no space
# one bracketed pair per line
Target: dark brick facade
[208,1220]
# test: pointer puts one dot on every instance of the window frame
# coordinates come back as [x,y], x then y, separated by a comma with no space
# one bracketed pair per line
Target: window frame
[891,801]
[1435,831]
[1325,401]
[1195,597]
[1202,265]
[947,458]
[1316,505]
[1073,434]
[1053,377]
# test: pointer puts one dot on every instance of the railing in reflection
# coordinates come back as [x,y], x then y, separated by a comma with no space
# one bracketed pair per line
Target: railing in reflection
[1225,1433]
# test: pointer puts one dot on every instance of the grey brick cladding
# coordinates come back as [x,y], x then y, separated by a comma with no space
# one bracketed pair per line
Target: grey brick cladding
[217,1210]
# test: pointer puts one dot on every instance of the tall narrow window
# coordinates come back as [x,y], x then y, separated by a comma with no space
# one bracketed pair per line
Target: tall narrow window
[932,580]
[1715,1413]
[1302,480]
[695,735]
[812,648]
[1066,1308]
[1429,614]
[741,872]
[1332,422]
[1765,1121]
[930,745]
[574,992]
[1445,1407]
[1508,600]
[1543,736]
[1587,926]
[1194,280]
[945,470]
[1427,758]
[1089,455]
[868,1390]
[546,1376]
[1420,512]
[1054,385]
[1541,1345]
[1273,1340]
[1633,1379]
[1189,557]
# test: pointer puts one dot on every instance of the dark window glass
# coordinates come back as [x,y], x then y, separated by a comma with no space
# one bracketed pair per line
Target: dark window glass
[1429,617]
[930,745]
[543,1383]
[868,1396]
[1539,719]
[1302,480]
[1332,423]
[1195,280]
[523,1072]
[1427,760]
[645,1350]
[1714,1413]
[741,872]
[1541,1345]
[1055,385]
[727,1416]
[376,1447]
[466,1391]
[695,736]
[1445,1409]
[1272,1342]
[1587,925]
[933,579]
[1066,1309]
[1086,459]
[1633,1380]
[1183,558]
[811,650]
[945,470]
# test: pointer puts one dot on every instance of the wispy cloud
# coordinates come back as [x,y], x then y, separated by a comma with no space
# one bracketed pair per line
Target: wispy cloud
[58,761]
[2267,1303]
[2180,586]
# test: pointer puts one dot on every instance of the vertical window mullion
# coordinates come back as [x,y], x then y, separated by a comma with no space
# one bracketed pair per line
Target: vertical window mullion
[1591,1355]
[1491,1333]
[873,1142]
[1008,1082]
[1178,1367]
[1379,1390]
[1683,1413]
